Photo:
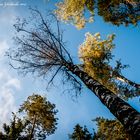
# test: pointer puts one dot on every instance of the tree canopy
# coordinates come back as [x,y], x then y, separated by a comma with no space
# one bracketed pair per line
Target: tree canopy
[110,130]
[80,133]
[36,120]
[14,130]
[106,130]
[41,115]
[96,55]
[118,12]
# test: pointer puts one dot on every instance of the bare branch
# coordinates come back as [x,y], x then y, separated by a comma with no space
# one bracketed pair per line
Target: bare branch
[40,50]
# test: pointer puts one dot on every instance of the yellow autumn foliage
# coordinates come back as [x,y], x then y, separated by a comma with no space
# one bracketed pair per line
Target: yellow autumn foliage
[73,11]
[79,12]
[95,54]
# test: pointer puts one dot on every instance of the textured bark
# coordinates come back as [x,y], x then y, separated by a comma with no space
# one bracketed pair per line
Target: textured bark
[129,81]
[126,114]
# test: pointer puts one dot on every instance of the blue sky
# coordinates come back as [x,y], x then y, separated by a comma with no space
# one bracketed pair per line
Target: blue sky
[15,88]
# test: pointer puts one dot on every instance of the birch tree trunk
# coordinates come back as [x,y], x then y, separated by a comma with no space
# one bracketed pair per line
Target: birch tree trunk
[126,114]
[124,79]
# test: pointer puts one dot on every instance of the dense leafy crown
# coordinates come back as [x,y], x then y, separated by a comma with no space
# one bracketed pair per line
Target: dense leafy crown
[115,11]
[111,130]
[41,113]
[96,55]
[73,11]
[14,130]
[80,133]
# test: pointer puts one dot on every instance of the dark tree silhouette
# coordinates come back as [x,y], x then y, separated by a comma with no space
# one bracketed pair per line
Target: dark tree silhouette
[120,12]
[40,50]
[14,129]
[81,133]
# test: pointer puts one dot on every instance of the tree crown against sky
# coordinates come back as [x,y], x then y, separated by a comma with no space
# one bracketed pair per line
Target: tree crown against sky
[41,115]
[106,130]
[118,12]
[37,120]
[96,55]
[14,129]
[110,129]
[81,133]
[46,49]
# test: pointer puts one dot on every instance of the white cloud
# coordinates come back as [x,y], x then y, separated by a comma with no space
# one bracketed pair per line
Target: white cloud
[13,83]
[8,84]
[7,100]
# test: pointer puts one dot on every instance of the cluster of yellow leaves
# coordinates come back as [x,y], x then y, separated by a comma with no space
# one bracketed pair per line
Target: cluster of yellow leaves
[76,11]
[93,46]
[73,11]
[95,54]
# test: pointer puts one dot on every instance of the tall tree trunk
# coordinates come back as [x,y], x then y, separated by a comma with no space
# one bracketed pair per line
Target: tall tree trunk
[33,127]
[126,114]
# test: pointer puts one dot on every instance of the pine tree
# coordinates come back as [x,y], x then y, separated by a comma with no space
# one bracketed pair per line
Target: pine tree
[41,115]
[110,130]
[106,130]
[80,133]
[14,130]
[38,120]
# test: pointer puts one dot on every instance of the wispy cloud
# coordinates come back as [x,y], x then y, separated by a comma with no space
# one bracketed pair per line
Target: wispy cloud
[9,85]
[7,100]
